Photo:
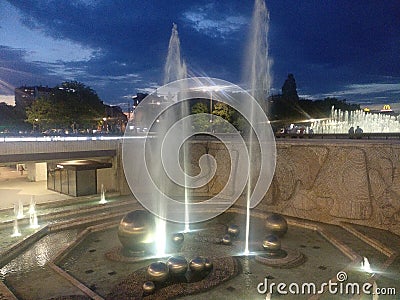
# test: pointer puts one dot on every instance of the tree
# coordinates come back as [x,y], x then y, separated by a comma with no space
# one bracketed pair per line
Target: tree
[289,89]
[225,112]
[201,122]
[41,113]
[11,119]
[72,105]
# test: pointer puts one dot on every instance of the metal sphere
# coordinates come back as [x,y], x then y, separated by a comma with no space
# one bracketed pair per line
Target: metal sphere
[157,272]
[149,287]
[177,265]
[233,230]
[276,224]
[135,231]
[178,238]
[226,239]
[197,264]
[271,243]
[208,265]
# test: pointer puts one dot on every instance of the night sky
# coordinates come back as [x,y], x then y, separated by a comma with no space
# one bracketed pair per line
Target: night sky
[344,49]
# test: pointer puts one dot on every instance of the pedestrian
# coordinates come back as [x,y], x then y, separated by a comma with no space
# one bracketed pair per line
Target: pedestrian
[21,169]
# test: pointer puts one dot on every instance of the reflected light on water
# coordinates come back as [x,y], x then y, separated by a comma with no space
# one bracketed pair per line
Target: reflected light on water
[42,255]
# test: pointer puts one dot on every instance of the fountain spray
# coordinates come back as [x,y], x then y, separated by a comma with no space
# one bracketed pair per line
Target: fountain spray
[20,213]
[16,231]
[175,69]
[103,195]
[32,205]
[257,76]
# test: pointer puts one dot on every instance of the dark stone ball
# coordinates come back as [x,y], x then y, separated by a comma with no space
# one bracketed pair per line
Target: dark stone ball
[197,264]
[226,239]
[157,272]
[271,243]
[233,230]
[149,287]
[177,265]
[178,238]
[136,230]
[276,224]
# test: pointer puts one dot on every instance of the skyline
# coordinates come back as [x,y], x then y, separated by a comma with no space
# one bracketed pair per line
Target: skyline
[348,50]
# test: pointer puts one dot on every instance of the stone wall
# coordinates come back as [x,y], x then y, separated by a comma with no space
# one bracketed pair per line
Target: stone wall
[329,181]
[357,182]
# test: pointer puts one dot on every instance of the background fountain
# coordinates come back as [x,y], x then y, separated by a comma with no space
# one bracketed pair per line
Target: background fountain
[340,122]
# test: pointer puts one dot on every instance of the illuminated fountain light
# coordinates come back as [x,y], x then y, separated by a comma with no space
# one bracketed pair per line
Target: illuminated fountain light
[161,237]
[365,265]
[16,231]
[103,195]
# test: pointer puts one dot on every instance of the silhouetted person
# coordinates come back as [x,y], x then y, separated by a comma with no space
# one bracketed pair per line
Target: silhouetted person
[358,132]
[310,133]
[351,132]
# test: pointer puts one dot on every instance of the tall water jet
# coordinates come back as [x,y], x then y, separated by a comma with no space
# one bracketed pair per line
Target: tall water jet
[174,69]
[175,66]
[258,79]
[257,74]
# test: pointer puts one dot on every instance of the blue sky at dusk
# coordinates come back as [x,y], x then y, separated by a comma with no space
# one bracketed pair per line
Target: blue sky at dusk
[344,49]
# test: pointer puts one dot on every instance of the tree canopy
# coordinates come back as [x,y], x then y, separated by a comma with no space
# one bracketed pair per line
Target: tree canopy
[71,105]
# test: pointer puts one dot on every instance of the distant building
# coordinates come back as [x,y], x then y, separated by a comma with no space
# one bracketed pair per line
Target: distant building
[115,120]
[25,95]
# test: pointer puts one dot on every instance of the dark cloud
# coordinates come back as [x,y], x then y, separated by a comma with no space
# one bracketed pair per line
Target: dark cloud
[328,45]
[15,71]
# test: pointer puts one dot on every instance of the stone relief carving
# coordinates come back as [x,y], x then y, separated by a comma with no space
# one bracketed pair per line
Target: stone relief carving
[344,179]
[384,172]
[328,183]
